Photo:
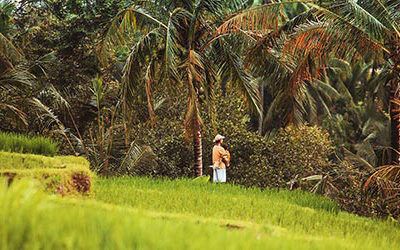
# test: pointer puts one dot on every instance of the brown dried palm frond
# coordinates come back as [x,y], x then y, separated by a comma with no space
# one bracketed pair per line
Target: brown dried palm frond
[49,119]
[257,19]
[17,80]
[395,101]
[325,38]
[343,27]
[338,26]
[384,183]
[9,51]
[149,77]
[16,85]
[18,113]
[139,158]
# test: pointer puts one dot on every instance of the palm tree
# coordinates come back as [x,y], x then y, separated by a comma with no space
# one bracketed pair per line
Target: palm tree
[295,50]
[15,79]
[179,49]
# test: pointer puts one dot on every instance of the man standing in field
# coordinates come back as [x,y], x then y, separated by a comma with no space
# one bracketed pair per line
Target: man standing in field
[220,158]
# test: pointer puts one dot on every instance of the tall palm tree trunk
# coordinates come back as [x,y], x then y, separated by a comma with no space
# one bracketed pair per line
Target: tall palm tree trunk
[198,152]
[395,121]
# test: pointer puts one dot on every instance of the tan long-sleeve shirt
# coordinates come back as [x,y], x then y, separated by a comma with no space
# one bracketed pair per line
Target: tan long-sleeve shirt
[220,156]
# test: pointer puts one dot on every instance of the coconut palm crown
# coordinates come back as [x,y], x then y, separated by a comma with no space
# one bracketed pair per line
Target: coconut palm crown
[292,50]
[180,50]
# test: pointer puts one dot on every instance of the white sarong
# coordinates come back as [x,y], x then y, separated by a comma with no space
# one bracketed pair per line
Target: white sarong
[219,174]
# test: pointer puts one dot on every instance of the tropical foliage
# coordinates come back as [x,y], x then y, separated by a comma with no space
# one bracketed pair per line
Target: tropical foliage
[180,52]
[142,87]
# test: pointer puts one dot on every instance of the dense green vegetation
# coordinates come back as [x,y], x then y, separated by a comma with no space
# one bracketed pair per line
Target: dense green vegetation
[19,143]
[60,174]
[132,93]
[148,214]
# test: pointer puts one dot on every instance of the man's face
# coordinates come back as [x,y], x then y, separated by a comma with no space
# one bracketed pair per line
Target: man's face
[222,141]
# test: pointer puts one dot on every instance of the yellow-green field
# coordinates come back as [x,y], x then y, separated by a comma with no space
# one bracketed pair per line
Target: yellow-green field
[137,213]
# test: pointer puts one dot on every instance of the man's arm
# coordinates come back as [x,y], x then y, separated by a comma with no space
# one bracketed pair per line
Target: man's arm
[224,156]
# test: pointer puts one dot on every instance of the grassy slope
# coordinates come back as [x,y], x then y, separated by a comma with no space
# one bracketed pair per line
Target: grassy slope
[61,174]
[279,217]
[32,220]
[133,213]
[30,161]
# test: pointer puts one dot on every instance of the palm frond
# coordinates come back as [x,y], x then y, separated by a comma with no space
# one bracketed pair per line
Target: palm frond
[138,158]
[354,12]
[178,19]
[262,19]
[213,7]
[136,63]
[348,25]
[232,66]
[275,114]
[131,19]
[149,78]
[265,59]
[358,160]
[55,98]
[41,65]
[46,115]
[385,183]
[327,89]
[16,111]
[9,51]
[17,79]
[49,119]
[235,5]
[375,14]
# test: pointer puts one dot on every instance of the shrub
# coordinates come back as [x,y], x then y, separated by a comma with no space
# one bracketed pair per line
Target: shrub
[256,161]
[61,174]
[174,153]
[250,164]
[302,150]
[18,143]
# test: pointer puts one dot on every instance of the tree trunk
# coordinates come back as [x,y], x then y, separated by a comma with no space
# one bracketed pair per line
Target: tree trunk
[198,153]
[394,121]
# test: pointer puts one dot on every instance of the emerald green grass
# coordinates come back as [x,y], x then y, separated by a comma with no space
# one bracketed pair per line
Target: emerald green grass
[11,142]
[298,214]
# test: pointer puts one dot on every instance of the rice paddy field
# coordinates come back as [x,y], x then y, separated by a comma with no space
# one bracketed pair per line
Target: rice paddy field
[140,213]
[27,144]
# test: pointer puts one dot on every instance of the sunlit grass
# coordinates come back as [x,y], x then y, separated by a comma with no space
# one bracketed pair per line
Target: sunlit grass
[295,212]
[137,213]
[32,220]
[59,174]
[30,161]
